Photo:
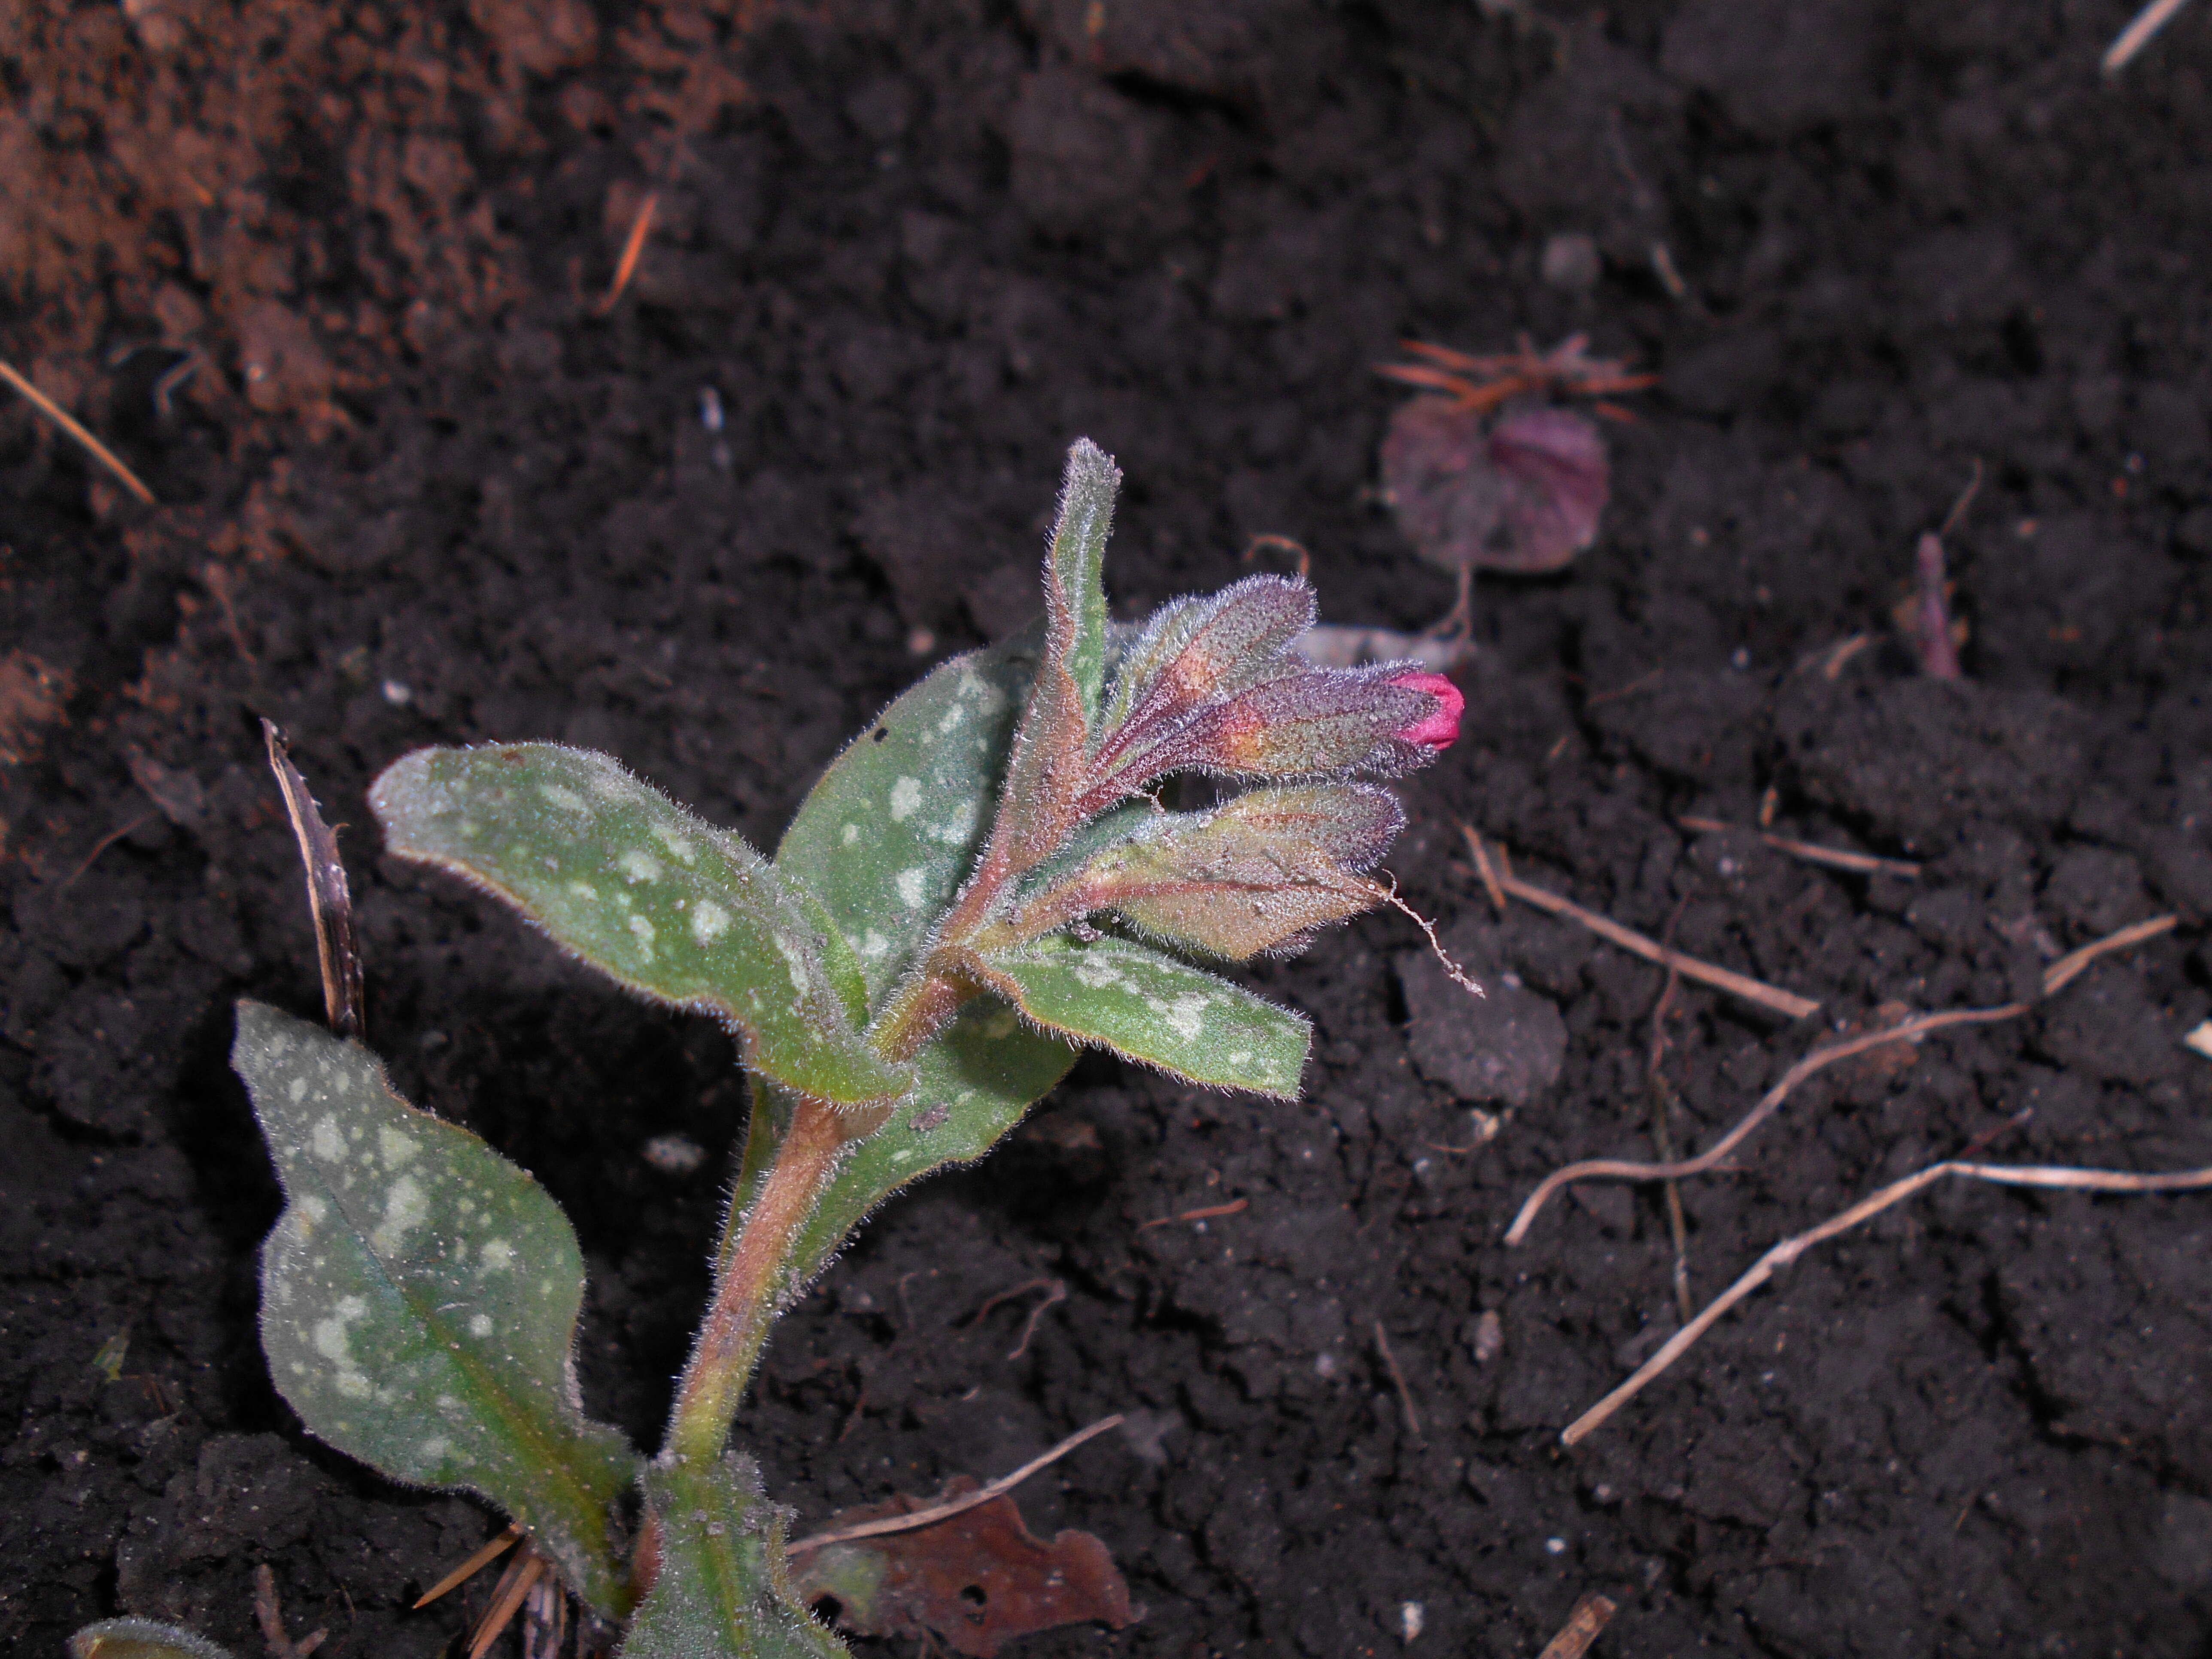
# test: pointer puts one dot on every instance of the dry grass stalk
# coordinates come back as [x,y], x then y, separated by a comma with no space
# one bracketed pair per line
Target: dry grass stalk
[1836,858]
[1706,973]
[2043,1175]
[62,418]
[936,1512]
[2056,977]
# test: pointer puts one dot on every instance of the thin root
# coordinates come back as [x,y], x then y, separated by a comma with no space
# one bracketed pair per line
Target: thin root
[936,1512]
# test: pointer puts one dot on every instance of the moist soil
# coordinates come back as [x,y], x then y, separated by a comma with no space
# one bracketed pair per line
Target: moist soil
[332,279]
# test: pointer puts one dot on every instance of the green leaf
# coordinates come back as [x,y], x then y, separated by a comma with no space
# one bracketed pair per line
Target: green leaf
[721,1588]
[419,1297]
[972,1084]
[645,891]
[1149,1006]
[1075,600]
[890,831]
[141,1638]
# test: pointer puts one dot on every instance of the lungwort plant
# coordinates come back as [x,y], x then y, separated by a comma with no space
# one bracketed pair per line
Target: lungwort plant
[983,882]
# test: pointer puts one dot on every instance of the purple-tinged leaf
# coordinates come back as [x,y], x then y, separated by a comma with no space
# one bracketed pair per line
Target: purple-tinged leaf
[1255,876]
[1526,495]
[1196,649]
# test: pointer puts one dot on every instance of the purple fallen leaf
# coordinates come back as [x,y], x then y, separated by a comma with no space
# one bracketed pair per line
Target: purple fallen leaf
[1525,496]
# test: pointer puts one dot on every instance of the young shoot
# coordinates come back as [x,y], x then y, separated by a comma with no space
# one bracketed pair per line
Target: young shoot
[982,884]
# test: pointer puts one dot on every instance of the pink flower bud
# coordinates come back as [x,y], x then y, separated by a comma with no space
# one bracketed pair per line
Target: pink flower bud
[1440,728]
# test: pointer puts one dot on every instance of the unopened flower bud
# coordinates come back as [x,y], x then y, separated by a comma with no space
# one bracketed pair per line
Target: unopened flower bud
[1440,728]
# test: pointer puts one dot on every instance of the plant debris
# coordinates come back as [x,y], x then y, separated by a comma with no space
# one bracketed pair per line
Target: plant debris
[977,1580]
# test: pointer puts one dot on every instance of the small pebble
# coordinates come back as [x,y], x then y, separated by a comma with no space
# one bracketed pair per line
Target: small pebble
[674,1155]
[398,693]
[1410,1619]
[1489,1337]
[1570,261]
[1555,1547]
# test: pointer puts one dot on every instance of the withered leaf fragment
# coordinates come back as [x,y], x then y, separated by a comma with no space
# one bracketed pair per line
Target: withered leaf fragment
[1257,874]
[1523,496]
[977,1580]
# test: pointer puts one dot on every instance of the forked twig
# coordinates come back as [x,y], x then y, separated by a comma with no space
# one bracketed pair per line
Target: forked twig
[2043,1175]
[68,422]
[1706,973]
[2056,977]
[946,1512]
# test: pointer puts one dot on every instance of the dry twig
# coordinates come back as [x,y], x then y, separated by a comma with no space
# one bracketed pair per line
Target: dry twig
[1865,864]
[1591,1615]
[633,250]
[1235,1206]
[2056,977]
[2137,34]
[1752,990]
[936,1512]
[2042,1175]
[468,1569]
[1398,1378]
[62,418]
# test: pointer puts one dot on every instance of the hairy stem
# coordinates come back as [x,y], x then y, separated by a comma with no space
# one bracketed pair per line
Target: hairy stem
[747,1294]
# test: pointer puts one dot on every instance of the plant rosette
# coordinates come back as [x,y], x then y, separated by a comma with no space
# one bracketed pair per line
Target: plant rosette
[982,883]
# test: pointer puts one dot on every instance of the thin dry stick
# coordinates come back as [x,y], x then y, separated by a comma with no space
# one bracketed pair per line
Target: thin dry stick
[62,418]
[1054,1295]
[1662,1131]
[1234,1206]
[633,249]
[2043,1175]
[2137,34]
[936,1512]
[1591,1615]
[468,1569]
[1865,864]
[1489,876]
[1613,1169]
[1752,990]
[2056,978]
[1397,1376]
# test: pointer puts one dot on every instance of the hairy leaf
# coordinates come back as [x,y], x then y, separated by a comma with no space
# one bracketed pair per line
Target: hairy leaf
[645,891]
[1195,648]
[419,1297]
[1319,722]
[141,1638]
[1148,1006]
[1075,592]
[890,831]
[1253,875]
[720,1586]
[1044,774]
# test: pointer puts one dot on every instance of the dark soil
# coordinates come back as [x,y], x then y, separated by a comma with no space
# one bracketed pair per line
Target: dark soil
[417,488]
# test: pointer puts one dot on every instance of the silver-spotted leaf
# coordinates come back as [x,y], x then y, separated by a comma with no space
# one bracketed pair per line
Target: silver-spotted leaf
[890,832]
[419,1297]
[719,1588]
[1148,1006]
[645,891]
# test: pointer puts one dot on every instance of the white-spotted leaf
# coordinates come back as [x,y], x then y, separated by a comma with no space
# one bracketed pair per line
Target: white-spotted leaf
[1140,1003]
[419,1297]
[645,891]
